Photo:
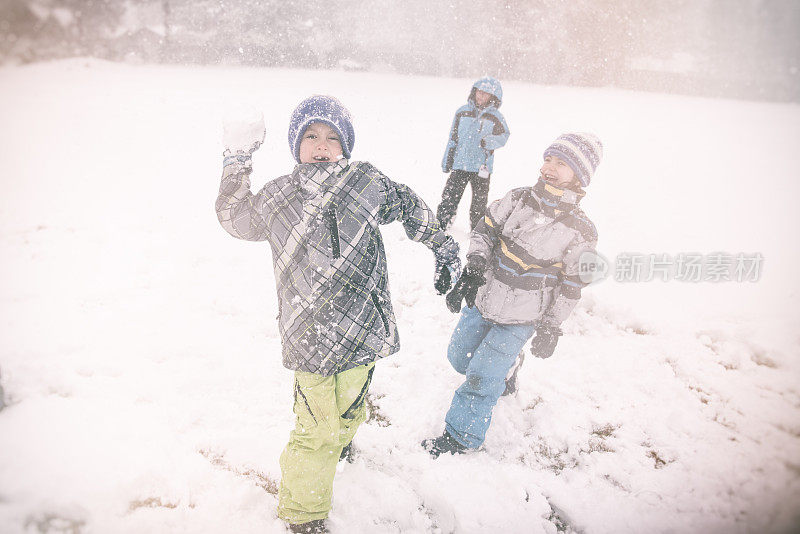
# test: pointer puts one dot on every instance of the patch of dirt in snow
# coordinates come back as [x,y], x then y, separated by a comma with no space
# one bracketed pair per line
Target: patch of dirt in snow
[374,412]
[54,523]
[258,478]
[151,502]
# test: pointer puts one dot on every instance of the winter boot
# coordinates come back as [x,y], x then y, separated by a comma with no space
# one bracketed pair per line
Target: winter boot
[348,453]
[511,386]
[511,380]
[442,444]
[312,527]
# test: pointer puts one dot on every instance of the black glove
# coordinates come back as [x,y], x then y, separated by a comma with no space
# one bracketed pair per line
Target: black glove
[447,265]
[467,286]
[443,278]
[544,343]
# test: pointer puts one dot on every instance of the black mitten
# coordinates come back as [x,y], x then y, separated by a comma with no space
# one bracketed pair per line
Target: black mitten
[467,286]
[442,279]
[454,298]
[545,341]
[447,265]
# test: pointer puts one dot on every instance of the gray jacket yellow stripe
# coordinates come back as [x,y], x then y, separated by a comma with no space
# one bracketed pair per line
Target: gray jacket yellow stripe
[335,310]
[532,240]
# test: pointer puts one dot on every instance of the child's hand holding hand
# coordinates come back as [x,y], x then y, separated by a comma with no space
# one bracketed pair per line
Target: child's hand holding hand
[243,131]
[447,266]
[467,286]
[445,273]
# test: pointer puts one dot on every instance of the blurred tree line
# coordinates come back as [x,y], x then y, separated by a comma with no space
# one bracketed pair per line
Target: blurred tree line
[730,48]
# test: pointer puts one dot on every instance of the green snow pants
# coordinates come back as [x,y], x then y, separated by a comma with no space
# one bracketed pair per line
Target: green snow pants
[329,409]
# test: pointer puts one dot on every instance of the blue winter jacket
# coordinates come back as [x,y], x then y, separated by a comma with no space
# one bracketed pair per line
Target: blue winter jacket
[474,136]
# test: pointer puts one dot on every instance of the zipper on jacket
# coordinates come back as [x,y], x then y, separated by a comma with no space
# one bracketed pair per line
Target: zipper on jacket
[333,227]
[377,303]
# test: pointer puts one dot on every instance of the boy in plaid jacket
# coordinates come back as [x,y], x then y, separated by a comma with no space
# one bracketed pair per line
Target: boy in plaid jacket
[335,311]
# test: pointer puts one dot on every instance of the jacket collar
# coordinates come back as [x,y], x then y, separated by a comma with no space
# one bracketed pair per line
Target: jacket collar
[555,201]
[474,107]
[311,178]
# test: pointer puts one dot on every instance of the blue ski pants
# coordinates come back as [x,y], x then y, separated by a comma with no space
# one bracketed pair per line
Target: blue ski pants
[483,351]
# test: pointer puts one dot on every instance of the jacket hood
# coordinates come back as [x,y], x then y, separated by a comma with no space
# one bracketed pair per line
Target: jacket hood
[490,85]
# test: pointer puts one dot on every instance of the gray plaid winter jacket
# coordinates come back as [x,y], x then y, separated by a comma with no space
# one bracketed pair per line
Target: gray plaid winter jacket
[532,240]
[335,311]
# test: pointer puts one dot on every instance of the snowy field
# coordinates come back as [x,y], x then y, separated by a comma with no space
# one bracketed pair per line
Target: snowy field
[139,350]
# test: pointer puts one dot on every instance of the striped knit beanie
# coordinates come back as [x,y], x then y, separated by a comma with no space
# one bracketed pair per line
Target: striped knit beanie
[321,108]
[581,151]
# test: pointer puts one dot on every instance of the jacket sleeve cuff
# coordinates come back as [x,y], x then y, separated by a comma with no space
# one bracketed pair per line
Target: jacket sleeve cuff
[446,251]
[559,310]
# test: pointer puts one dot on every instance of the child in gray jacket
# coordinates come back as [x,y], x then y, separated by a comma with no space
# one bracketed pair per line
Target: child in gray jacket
[521,278]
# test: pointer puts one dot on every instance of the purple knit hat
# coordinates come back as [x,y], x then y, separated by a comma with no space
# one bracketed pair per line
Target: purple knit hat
[321,108]
[581,151]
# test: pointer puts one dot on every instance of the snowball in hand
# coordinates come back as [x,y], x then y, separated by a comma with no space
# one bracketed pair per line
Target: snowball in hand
[243,130]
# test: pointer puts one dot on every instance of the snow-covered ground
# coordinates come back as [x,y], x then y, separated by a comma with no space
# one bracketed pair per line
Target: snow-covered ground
[139,351]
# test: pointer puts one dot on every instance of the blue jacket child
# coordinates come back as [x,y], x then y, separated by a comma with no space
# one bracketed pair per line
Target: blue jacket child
[478,130]
[522,276]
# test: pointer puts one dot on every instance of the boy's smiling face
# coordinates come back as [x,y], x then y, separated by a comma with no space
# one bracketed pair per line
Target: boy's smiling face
[320,144]
[556,172]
